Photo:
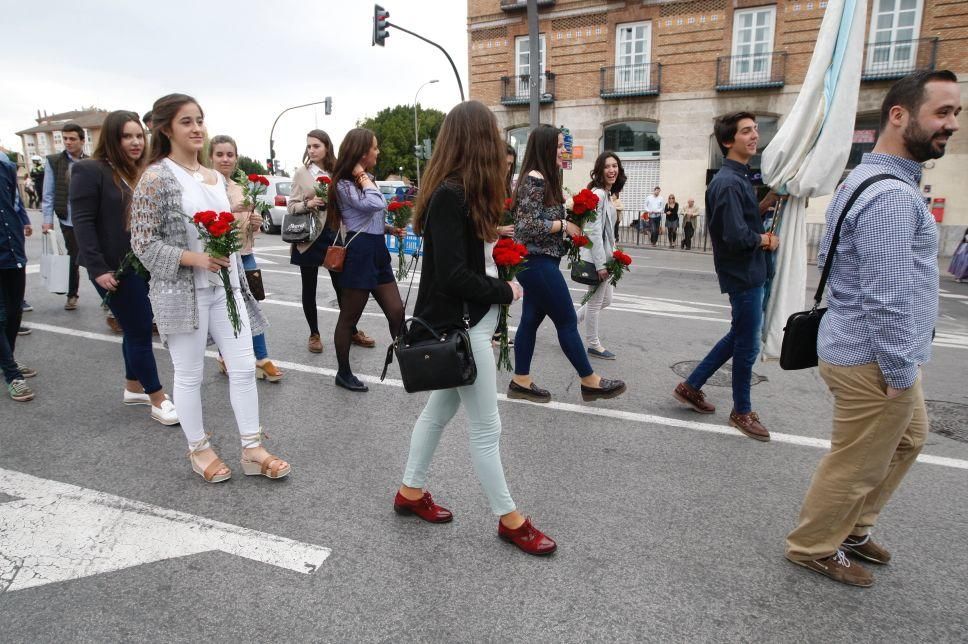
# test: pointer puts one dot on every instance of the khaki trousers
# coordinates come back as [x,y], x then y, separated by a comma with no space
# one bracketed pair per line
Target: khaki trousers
[873,444]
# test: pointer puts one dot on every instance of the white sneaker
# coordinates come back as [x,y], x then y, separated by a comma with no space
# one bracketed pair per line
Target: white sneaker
[166,414]
[131,398]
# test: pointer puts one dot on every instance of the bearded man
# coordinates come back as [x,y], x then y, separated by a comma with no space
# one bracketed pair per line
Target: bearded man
[876,334]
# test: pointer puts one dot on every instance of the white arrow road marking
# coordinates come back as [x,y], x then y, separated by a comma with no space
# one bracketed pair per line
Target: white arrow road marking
[58,532]
[645,419]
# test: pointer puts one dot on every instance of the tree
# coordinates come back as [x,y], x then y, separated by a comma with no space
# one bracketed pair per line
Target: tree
[251,166]
[394,132]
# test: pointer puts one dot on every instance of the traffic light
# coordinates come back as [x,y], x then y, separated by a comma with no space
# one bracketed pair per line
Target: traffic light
[328,105]
[427,148]
[269,165]
[418,151]
[380,17]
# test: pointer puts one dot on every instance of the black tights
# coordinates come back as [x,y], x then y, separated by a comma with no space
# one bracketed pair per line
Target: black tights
[310,277]
[351,309]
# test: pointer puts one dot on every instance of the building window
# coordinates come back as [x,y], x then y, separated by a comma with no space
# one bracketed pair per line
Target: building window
[518,138]
[633,139]
[866,130]
[633,52]
[767,127]
[895,25]
[522,64]
[42,146]
[753,44]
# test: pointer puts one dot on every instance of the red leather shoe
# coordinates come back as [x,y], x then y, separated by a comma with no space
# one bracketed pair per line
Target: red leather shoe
[528,538]
[425,508]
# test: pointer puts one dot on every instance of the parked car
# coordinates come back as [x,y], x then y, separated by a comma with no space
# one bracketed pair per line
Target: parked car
[277,196]
[390,189]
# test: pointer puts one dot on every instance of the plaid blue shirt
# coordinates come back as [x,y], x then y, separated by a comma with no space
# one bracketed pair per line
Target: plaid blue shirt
[883,288]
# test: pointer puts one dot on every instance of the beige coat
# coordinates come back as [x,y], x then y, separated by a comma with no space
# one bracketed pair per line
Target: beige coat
[304,189]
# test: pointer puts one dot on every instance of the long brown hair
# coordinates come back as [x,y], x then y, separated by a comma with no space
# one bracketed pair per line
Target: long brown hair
[162,114]
[598,173]
[541,154]
[469,151]
[109,148]
[354,146]
[329,160]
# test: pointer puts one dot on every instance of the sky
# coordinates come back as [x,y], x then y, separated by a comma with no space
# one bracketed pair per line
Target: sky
[244,61]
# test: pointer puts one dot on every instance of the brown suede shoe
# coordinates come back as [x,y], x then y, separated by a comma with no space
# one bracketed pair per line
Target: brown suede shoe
[839,568]
[361,339]
[315,344]
[866,549]
[695,398]
[113,324]
[750,425]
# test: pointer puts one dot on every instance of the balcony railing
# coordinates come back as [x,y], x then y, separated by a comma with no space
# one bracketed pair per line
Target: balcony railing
[631,80]
[521,5]
[890,60]
[516,90]
[750,71]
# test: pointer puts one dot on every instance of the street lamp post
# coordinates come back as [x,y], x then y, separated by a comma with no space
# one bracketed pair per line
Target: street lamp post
[328,101]
[416,132]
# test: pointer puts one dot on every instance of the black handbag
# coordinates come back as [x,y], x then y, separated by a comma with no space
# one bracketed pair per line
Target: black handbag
[298,229]
[432,359]
[584,273]
[799,347]
[254,279]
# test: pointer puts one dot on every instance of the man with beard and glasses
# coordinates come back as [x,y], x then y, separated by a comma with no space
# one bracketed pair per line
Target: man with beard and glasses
[883,302]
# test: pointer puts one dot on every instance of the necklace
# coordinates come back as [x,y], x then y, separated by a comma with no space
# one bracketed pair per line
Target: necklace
[196,175]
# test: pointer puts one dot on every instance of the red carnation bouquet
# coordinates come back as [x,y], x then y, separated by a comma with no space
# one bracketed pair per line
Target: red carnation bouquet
[507,218]
[220,233]
[616,266]
[322,187]
[582,212]
[401,212]
[253,186]
[510,259]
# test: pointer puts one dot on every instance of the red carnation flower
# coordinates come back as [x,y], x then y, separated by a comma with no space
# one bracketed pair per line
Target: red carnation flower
[205,217]
[580,241]
[394,206]
[324,179]
[226,217]
[264,181]
[218,228]
[508,203]
[254,178]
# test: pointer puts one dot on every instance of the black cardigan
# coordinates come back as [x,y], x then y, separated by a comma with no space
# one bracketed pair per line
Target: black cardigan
[453,265]
[97,212]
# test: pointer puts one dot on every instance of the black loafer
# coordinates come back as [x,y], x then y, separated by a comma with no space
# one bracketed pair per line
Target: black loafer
[606,389]
[533,393]
[351,382]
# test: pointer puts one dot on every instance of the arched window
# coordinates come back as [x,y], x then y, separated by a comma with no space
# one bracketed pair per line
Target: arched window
[632,139]
[518,138]
[767,127]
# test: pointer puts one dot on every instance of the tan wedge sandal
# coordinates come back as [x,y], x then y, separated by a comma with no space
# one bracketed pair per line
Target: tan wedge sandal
[270,467]
[268,371]
[209,473]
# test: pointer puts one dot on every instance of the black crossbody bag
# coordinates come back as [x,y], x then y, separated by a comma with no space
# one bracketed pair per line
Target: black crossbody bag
[429,358]
[799,348]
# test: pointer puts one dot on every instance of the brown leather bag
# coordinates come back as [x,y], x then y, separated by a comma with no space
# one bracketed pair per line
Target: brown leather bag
[336,253]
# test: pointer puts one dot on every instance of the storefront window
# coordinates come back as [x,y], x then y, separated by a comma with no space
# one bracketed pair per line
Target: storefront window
[633,139]
[865,137]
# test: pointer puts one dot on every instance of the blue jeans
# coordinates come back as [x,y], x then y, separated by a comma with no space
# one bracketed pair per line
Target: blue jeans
[480,404]
[742,344]
[546,294]
[132,309]
[258,341]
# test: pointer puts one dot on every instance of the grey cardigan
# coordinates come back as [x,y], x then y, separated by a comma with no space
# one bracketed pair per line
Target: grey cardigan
[158,238]
[601,232]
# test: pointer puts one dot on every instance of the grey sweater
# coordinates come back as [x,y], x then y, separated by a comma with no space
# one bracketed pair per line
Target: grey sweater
[158,238]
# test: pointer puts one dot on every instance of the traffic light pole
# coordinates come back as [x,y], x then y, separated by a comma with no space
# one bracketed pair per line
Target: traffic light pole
[272,151]
[460,85]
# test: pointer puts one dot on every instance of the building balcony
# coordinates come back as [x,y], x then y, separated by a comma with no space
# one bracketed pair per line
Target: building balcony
[522,5]
[892,60]
[516,90]
[750,71]
[623,81]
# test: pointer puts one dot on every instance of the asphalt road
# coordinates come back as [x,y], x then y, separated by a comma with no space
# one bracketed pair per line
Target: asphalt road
[670,525]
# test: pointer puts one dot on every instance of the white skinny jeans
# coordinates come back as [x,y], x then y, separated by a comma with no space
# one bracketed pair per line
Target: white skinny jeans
[188,357]
[590,311]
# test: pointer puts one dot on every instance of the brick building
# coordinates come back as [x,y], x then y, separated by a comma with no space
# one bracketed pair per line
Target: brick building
[646,78]
[45,137]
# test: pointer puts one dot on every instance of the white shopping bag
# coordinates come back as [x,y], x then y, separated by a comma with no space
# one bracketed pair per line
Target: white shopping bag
[55,264]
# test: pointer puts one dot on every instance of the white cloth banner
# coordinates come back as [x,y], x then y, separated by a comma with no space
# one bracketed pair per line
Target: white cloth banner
[808,155]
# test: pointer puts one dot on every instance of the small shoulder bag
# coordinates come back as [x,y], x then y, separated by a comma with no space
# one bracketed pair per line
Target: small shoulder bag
[336,252]
[799,348]
[429,358]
